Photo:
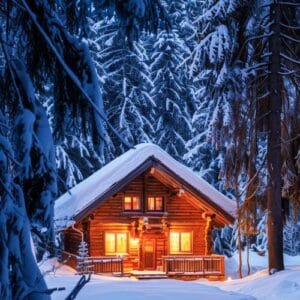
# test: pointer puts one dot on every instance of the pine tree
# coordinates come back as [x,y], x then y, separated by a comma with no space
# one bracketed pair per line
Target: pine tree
[201,156]
[223,92]
[83,265]
[247,60]
[173,116]
[16,253]
[222,241]
[274,38]
[291,237]
[126,84]
[37,50]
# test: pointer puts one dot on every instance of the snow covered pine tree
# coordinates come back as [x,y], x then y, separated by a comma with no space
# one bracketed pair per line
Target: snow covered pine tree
[45,49]
[263,38]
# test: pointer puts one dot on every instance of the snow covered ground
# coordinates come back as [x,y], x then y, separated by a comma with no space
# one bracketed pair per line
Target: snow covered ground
[282,285]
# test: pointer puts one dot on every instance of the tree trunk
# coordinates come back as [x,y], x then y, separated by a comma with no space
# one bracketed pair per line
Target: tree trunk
[275,227]
[239,233]
[248,256]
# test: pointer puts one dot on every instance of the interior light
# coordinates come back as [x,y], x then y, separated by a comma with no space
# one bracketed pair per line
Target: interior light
[181,192]
[134,241]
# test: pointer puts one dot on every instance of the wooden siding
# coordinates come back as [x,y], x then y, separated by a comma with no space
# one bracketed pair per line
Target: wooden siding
[72,239]
[180,215]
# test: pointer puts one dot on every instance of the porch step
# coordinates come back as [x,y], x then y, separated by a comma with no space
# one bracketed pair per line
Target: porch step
[118,274]
[150,276]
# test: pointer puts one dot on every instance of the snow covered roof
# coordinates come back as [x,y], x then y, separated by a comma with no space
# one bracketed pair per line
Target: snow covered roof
[79,199]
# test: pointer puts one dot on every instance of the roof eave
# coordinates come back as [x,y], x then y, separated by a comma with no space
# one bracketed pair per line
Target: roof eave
[115,188]
[225,217]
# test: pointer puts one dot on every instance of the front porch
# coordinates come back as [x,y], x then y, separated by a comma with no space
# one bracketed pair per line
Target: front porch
[181,267]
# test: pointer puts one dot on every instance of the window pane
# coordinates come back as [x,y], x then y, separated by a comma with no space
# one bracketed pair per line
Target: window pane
[121,242]
[174,242]
[135,203]
[158,203]
[151,203]
[110,243]
[186,242]
[127,203]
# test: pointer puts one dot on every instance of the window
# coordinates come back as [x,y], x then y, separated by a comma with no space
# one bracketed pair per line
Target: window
[180,242]
[132,202]
[155,203]
[115,243]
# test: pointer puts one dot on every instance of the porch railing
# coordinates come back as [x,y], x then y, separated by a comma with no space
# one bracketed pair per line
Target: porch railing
[194,265]
[105,264]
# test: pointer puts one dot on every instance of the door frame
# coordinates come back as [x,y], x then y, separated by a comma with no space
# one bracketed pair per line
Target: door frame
[145,240]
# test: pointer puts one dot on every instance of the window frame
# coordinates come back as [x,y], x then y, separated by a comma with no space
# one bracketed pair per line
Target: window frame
[180,242]
[115,233]
[131,195]
[162,210]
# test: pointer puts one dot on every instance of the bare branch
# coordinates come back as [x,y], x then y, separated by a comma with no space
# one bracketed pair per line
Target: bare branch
[289,4]
[289,59]
[290,27]
[289,72]
[289,38]
[253,177]
[291,139]
[251,39]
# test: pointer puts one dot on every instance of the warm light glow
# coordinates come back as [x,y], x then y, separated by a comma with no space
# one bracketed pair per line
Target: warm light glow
[135,203]
[151,203]
[174,242]
[185,241]
[121,243]
[110,243]
[134,242]
[115,243]
[131,203]
[158,203]
[181,192]
[127,203]
[229,278]
[155,203]
[180,242]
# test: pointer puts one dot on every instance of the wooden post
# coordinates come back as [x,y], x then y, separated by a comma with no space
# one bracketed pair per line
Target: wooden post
[140,251]
[222,270]
[122,266]
[208,230]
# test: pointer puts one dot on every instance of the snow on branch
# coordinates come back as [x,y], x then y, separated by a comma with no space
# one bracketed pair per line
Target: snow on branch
[71,74]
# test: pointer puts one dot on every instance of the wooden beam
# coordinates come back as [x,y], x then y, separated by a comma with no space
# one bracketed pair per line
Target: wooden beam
[208,231]
[167,174]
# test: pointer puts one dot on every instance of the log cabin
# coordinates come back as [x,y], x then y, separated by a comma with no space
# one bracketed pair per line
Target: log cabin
[145,211]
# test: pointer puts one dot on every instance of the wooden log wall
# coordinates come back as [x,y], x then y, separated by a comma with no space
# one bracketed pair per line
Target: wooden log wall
[179,215]
[72,239]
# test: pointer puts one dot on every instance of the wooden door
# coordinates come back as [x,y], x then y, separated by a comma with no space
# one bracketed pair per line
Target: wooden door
[149,254]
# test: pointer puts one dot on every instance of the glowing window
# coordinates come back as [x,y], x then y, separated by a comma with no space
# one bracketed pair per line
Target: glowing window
[180,242]
[155,203]
[132,203]
[151,203]
[115,243]
[174,242]
[110,241]
[185,242]
[121,244]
